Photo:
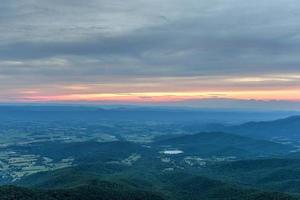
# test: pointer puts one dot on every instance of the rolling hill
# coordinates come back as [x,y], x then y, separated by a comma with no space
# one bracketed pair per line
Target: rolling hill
[171,186]
[224,144]
[282,128]
[97,190]
[272,174]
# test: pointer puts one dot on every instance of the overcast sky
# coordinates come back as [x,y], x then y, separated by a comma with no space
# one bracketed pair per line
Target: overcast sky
[149,50]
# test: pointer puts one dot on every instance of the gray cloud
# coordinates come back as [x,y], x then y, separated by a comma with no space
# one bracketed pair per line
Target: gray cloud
[86,41]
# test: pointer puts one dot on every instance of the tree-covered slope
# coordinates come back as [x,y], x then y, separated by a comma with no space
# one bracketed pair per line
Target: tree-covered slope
[196,187]
[99,191]
[272,174]
[171,186]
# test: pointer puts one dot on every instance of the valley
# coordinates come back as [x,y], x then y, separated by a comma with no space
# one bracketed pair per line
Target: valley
[158,159]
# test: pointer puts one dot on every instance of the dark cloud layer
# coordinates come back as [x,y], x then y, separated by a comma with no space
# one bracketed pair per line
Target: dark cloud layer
[233,36]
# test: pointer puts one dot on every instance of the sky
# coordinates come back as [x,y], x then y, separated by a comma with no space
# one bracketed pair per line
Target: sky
[151,52]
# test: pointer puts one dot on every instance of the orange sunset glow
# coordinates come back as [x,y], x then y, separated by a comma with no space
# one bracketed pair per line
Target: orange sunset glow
[290,95]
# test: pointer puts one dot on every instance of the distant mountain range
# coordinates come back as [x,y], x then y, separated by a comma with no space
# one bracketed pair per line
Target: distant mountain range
[282,128]
[168,114]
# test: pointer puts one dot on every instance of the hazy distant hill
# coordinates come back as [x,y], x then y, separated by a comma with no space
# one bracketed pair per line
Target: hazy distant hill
[281,128]
[92,114]
[288,128]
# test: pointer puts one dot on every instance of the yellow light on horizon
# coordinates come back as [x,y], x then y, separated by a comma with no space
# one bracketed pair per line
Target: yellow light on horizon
[290,95]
